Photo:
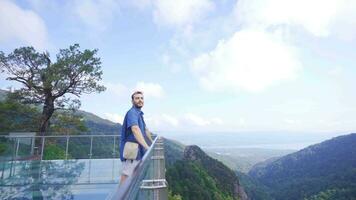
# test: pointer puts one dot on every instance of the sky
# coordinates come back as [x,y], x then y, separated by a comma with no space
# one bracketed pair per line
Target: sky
[225,66]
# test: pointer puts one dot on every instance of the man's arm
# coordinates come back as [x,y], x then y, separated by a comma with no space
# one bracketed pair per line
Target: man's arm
[138,136]
[148,133]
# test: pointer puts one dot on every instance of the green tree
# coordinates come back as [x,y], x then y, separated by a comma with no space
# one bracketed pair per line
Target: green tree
[54,85]
[67,122]
[172,196]
[15,116]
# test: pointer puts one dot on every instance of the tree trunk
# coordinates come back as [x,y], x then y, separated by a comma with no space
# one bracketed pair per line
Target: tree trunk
[47,112]
[48,109]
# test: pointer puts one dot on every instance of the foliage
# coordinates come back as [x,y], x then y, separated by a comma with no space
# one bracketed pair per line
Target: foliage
[254,189]
[173,152]
[173,196]
[3,148]
[95,127]
[55,85]
[193,182]
[18,117]
[195,175]
[54,152]
[339,194]
[15,116]
[67,123]
[321,167]
[225,178]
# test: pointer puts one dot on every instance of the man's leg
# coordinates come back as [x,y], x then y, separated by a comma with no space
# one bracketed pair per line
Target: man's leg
[127,169]
[123,178]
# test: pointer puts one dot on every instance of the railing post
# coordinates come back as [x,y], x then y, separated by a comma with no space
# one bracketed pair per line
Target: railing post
[32,145]
[67,147]
[17,147]
[158,184]
[114,150]
[13,157]
[91,147]
[113,160]
[42,147]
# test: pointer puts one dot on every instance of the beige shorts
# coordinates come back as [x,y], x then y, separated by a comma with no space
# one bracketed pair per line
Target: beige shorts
[128,167]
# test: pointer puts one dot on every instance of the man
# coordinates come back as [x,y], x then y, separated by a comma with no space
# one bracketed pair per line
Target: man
[134,130]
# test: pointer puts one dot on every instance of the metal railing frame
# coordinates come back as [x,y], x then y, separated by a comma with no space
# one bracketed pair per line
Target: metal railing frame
[67,137]
[155,154]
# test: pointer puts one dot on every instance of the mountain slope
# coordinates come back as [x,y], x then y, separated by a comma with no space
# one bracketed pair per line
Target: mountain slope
[243,159]
[225,178]
[198,176]
[173,151]
[330,165]
[98,125]
[254,189]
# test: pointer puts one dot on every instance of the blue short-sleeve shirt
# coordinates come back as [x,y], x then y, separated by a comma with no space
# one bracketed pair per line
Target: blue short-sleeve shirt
[133,117]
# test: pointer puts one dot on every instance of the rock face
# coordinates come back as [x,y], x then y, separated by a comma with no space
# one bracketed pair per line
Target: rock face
[194,153]
[225,178]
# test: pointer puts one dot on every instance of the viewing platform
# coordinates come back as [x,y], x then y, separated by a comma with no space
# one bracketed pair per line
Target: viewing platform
[76,167]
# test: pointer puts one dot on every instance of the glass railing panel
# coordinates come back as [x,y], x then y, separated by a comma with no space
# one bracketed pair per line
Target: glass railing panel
[7,148]
[24,147]
[146,172]
[79,147]
[51,178]
[55,148]
[24,175]
[105,147]
[100,171]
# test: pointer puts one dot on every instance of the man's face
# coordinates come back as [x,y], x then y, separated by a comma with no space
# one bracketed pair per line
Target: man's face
[138,100]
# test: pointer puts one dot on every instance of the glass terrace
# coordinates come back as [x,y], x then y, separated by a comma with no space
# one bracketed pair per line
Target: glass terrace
[76,167]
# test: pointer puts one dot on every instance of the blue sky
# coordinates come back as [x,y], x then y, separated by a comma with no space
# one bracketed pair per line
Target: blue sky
[247,65]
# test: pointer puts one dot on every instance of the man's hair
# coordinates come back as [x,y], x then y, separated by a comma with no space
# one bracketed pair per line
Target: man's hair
[137,92]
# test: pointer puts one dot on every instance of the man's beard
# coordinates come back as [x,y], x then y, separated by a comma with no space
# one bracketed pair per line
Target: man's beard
[138,106]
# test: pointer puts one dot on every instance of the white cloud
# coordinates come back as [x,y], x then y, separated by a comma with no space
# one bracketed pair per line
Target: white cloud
[242,122]
[183,13]
[217,121]
[197,120]
[250,60]
[116,88]
[335,71]
[150,89]
[140,4]
[319,17]
[122,91]
[97,14]
[172,66]
[170,120]
[114,117]
[188,121]
[162,122]
[292,121]
[23,25]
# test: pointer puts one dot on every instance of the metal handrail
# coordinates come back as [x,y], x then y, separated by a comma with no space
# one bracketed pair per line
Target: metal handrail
[124,189]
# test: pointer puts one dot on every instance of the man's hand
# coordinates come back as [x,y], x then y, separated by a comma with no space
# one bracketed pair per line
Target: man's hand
[149,135]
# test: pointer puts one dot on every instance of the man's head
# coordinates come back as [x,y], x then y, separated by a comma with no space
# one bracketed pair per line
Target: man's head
[137,99]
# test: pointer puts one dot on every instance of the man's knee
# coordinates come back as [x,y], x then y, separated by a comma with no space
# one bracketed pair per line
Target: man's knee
[123,178]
